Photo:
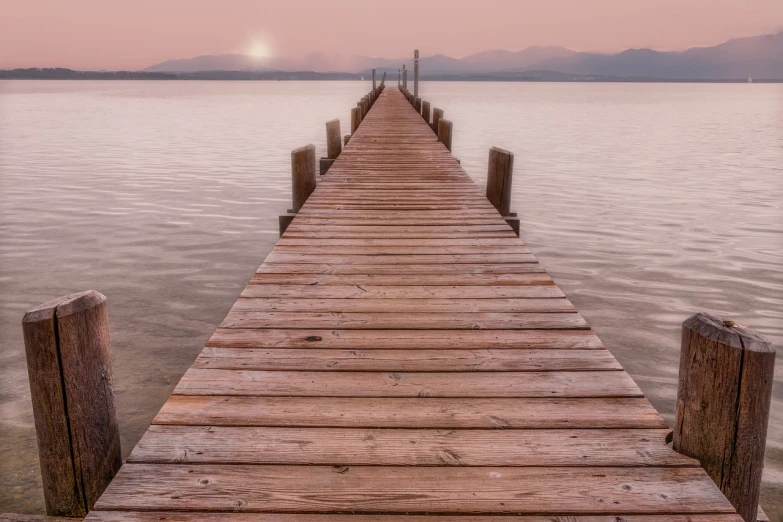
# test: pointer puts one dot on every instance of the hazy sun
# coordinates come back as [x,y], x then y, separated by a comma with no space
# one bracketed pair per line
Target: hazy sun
[258,48]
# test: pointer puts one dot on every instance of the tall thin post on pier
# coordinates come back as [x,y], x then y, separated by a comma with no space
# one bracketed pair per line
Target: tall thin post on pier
[445,129]
[499,172]
[723,403]
[437,115]
[374,85]
[416,73]
[354,119]
[333,145]
[425,111]
[404,77]
[302,175]
[72,390]
[399,77]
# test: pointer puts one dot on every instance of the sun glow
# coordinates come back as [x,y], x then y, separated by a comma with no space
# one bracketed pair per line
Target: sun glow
[258,49]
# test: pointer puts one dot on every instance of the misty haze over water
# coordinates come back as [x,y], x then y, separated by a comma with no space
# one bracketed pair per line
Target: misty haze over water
[646,202]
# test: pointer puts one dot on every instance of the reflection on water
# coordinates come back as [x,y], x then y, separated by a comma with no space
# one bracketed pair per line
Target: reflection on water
[646,203]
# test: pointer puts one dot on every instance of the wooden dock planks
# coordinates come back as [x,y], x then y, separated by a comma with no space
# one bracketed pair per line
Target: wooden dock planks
[401,352]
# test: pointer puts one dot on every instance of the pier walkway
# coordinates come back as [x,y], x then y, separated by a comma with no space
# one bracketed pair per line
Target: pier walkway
[401,352]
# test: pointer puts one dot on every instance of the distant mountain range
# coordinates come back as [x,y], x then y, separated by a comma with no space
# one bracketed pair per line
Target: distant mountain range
[760,57]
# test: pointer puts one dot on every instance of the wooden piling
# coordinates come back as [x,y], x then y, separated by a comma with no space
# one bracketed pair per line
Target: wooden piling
[374,85]
[437,115]
[71,386]
[346,139]
[425,111]
[445,129]
[333,145]
[354,120]
[417,105]
[723,403]
[302,175]
[499,173]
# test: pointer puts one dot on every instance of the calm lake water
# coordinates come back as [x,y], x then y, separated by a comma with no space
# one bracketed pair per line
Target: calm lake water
[646,202]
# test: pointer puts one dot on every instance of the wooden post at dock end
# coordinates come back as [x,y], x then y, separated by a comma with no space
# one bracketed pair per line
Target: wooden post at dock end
[445,129]
[72,390]
[354,120]
[437,115]
[383,81]
[346,139]
[425,111]
[499,173]
[360,106]
[417,105]
[333,144]
[374,85]
[723,404]
[302,175]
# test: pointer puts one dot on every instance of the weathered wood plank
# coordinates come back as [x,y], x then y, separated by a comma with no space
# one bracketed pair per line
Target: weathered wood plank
[446,360]
[278,256]
[171,516]
[376,242]
[404,447]
[400,293]
[413,489]
[467,270]
[406,339]
[397,321]
[389,305]
[197,381]
[409,413]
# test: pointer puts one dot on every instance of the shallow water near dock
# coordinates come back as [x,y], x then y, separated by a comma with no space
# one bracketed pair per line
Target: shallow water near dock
[646,203]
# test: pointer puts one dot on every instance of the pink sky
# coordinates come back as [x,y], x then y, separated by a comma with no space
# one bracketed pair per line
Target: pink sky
[133,34]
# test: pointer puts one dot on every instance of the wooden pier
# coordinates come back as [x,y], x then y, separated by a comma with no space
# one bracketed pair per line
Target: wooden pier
[401,352]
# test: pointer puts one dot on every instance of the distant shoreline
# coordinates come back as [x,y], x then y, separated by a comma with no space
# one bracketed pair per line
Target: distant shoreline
[529,76]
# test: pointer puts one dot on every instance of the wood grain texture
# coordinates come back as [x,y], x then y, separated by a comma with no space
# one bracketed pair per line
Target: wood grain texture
[723,402]
[302,383]
[405,339]
[410,321]
[302,175]
[170,516]
[404,447]
[402,305]
[448,360]
[391,489]
[499,176]
[68,349]
[387,412]
[408,294]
